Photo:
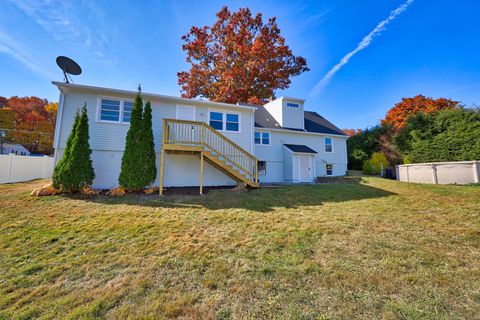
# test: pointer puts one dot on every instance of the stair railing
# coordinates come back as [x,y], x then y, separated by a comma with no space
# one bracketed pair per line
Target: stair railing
[196,133]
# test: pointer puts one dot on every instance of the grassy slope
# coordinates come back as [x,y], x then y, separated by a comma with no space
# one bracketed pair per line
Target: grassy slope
[380,249]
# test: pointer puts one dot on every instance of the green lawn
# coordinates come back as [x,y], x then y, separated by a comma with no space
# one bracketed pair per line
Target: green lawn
[378,249]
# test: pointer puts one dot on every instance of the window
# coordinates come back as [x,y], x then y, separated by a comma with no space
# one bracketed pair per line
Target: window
[265,138]
[225,121]
[262,138]
[232,122]
[329,169]
[293,105]
[112,110]
[262,167]
[127,111]
[328,145]
[258,139]
[216,120]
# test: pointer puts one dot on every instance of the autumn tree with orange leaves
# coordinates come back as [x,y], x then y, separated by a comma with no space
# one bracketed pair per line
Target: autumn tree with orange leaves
[238,59]
[397,115]
[29,121]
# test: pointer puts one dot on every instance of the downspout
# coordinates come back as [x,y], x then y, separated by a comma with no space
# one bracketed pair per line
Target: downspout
[58,125]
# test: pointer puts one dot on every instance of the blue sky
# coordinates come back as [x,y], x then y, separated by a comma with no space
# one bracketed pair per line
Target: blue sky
[425,47]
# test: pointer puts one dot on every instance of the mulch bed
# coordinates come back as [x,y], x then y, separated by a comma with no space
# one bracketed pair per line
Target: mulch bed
[338,180]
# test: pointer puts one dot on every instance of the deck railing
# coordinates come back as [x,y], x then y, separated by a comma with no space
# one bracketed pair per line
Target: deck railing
[185,132]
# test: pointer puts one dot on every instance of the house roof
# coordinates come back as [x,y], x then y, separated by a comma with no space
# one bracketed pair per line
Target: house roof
[300,148]
[103,90]
[313,123]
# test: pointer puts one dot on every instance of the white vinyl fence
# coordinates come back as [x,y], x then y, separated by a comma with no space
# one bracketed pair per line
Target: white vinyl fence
[459,172]
[15,168]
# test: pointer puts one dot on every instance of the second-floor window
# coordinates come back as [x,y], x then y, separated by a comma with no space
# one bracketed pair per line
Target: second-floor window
[225,121]
[115,110]
[328,145]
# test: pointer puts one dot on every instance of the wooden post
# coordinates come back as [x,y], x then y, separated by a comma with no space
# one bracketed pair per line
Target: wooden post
[162,169]
[201,172]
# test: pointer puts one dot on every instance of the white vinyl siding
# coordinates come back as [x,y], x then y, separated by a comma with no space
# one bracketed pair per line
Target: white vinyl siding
[107,138]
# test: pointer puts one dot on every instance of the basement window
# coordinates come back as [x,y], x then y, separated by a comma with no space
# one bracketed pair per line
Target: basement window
[262,168]
[329,169]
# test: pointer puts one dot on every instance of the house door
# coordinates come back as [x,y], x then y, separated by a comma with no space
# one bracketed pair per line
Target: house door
[305,170]
[185,112]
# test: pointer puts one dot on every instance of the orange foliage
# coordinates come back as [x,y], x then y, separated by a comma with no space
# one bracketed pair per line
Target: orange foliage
[352,132]
[29,121]
[397,115]
[238,59]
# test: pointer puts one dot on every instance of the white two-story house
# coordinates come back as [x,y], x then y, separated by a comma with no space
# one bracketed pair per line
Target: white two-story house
[204,143]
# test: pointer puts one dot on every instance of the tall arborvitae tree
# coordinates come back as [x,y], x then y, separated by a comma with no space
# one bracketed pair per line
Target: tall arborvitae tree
[59,168]
[77,171]
[133,175]
[150,166]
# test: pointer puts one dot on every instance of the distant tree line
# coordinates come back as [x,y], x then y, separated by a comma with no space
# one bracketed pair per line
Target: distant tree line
[29,121]
[415,130]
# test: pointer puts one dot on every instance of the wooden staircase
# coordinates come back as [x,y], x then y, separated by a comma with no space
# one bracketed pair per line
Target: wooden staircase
[194,137]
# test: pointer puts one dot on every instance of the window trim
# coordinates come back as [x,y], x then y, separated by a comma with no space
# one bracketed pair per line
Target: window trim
[224,120]
[261,139]
[326,170]
[121,111]
[325,144]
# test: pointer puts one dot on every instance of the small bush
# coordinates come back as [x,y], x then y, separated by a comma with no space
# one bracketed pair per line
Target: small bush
[377,160]
[75,171]
[367,167]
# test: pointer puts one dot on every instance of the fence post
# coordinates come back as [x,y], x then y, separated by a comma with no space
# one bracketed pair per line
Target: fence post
[10,167]
[43,166]
[476,171]
[406,170]
[434,173]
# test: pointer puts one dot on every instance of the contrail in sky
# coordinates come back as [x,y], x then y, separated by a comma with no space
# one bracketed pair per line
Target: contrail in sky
[362,45]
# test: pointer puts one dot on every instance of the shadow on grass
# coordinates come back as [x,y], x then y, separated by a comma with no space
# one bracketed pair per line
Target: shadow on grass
[264,199]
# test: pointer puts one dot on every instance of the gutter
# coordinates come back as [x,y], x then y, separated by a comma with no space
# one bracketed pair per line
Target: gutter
[303,132]
[58,125]
[153,95]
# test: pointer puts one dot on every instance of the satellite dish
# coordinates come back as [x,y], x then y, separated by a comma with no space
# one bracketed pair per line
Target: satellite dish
[68,66]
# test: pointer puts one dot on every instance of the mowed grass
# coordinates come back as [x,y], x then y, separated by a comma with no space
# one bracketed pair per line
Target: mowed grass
[377,249]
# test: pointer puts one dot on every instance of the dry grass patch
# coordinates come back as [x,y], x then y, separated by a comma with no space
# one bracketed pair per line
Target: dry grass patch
[377,249]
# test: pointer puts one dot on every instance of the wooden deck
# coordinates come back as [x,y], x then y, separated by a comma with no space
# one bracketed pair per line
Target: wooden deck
[198,138]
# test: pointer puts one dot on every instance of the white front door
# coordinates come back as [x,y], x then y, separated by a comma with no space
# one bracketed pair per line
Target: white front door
[185,112]
[305,168]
